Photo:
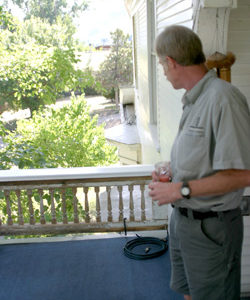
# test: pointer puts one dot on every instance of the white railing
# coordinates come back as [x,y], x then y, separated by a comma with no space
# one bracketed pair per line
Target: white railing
[93,199]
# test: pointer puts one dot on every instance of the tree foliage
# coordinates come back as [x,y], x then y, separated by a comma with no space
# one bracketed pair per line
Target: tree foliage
[117,69]
[50,10]
[39,63]
[54,137]
[39,31]
[32,75]
[57,137]
[6,19]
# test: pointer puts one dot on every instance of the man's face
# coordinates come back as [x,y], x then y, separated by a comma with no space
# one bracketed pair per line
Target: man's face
[171,71]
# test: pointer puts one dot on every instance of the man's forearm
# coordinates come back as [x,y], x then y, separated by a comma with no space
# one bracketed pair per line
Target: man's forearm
[222,182]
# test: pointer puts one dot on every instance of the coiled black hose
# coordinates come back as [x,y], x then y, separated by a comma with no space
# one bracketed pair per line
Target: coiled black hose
[145,247]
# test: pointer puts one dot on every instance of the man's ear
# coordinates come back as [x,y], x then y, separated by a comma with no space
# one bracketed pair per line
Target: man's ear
[171,62]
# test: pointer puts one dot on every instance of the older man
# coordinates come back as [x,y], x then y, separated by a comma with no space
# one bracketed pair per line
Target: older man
[210,163]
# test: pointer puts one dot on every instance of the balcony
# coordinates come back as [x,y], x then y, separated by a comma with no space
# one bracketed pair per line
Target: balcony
[80,200]
[77,200]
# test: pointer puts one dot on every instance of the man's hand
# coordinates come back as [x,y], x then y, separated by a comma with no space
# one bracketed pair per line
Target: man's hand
[164,193]
[220,183]
[155,176]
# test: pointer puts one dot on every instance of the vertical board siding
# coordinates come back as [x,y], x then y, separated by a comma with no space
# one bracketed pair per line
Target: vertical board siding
[239,44]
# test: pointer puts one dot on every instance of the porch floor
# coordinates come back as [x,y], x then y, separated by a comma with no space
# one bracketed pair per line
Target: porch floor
[87,269]
[82,267]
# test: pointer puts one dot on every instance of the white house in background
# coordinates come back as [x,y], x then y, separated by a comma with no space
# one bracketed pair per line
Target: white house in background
[223,25]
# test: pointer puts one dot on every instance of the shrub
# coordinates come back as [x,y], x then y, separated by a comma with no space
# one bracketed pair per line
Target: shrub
[58,137]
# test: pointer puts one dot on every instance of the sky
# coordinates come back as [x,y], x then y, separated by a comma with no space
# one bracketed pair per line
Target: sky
[101,18]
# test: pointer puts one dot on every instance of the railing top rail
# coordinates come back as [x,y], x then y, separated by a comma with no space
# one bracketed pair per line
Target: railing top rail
[75,173]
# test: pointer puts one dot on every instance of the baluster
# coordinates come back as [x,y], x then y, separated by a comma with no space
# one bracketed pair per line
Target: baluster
[42,218]
[98,212]
[143,215]
[20,209]
[75,201]
[87,218]
[110,217]
[7,198]
[64,209]
[131,202]
[31,209]
[121,216]
[53,210]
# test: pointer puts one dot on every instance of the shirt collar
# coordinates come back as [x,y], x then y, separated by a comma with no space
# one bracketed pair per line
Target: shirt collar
[191,96]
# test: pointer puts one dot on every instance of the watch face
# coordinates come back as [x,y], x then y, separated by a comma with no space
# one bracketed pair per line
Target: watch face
[185,191]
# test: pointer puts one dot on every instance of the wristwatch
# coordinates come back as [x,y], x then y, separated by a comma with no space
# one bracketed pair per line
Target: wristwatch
[185,190]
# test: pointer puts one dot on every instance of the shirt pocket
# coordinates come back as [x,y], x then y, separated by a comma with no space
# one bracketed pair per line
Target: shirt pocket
[195,131]
[192,150]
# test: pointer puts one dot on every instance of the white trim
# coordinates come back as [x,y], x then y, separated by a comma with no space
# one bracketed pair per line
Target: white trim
[75,173]
[151,30]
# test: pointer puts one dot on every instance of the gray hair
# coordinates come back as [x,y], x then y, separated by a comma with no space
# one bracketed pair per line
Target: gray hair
[181,44]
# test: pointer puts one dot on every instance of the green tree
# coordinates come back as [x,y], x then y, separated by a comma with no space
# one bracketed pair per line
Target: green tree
[33,75]
[39,63]
[6,19]
[57,137]
[39,59]
[50,10]
[39,31]
[117,69]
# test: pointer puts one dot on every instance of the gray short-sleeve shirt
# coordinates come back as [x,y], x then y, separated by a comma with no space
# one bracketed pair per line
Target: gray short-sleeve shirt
[214,134]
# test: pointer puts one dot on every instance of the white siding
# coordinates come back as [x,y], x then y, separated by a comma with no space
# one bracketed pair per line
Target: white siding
[239,44]
[141,63]
[142,103]
[169,100]
[174,12]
